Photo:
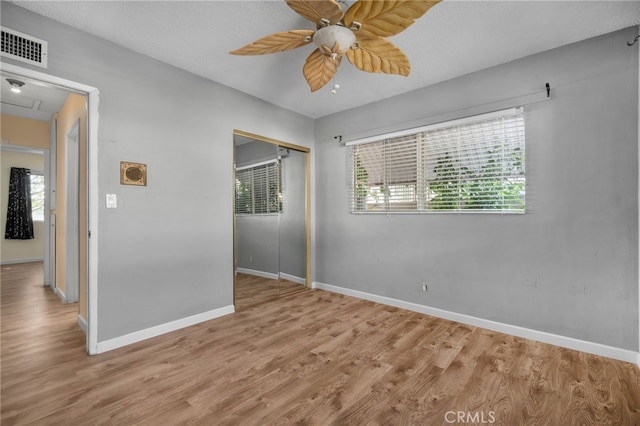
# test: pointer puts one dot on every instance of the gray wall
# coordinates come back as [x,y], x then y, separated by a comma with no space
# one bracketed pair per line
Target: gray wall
[166,252]
[569,265]
[258,243]
[292,220]
[255,152]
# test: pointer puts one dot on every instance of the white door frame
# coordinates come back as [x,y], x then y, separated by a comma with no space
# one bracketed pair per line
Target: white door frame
[72,215]
[638,219]
[92,189]
[47,202]
[50,204]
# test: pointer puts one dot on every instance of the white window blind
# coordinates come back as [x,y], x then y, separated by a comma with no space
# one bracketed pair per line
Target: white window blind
[471,165]
[258,189]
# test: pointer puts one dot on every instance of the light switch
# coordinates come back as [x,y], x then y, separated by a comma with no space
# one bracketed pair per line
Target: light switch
[112,201]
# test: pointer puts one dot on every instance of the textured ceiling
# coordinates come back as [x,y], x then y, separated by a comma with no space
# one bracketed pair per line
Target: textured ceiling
[454,38]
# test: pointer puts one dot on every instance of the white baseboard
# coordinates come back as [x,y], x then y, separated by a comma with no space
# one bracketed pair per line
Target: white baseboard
[60,294]
[540,336]
[137,336]
[17,261]
[293,278]
[83,324]
[262,274]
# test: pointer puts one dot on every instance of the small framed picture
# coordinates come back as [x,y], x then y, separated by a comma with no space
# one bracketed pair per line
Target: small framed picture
[133,174]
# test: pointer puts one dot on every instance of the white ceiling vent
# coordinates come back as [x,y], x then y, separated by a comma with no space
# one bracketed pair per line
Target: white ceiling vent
[23,47]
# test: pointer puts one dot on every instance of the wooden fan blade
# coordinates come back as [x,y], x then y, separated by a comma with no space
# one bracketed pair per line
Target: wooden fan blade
[278,42]
[315,10]
[320,69]
[385,18]
[379,55]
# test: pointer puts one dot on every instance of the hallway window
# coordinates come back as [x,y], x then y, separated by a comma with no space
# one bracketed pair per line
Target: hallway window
[37,196]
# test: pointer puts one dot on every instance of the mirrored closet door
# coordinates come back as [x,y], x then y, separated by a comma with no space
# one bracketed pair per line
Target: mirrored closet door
[271,221]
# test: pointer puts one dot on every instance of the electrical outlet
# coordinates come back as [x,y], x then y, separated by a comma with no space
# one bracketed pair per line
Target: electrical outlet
[425,287]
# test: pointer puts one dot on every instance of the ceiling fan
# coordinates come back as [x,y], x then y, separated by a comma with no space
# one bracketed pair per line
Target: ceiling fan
[359,34]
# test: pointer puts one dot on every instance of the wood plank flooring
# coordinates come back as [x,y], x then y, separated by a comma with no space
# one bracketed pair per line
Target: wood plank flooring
[312,358]
[251,290]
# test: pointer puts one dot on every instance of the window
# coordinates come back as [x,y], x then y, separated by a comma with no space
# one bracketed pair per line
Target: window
[258,189]
[475,164]
[37,196]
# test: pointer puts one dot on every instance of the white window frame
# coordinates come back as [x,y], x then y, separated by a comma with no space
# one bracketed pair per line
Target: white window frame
[484,153]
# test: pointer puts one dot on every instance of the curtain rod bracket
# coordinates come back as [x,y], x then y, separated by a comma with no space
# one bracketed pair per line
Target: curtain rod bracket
[339,139]
[548,90]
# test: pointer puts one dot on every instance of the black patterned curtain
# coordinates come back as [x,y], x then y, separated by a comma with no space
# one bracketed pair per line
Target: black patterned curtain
[19,220]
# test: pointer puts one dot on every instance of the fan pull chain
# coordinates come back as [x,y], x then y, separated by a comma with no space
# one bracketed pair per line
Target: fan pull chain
[336,86]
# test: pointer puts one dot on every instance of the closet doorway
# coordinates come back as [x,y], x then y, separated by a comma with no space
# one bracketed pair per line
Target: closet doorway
[271,219]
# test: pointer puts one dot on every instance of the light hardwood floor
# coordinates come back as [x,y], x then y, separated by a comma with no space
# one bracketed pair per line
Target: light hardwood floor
[313,358]
[251,290]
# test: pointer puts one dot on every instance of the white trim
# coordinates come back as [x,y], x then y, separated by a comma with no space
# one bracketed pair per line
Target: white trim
[92,225]
[168,327]
[51,242]
[47,221]
[262,274]
[47,78]
[93,96]
[293,278]
[638,217]
[50,204]
[82,323]
[261,163]
[52,163]
[5,146]
[24,260]
[72,211]
[61,295]
[540,336]
[45,152]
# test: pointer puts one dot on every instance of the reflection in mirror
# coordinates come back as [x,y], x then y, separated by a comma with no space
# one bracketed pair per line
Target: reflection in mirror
[292,221]
[257,206]
[270,221]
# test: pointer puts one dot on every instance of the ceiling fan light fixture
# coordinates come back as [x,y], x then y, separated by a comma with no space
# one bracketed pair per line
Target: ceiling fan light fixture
[332,35]
[359,33]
